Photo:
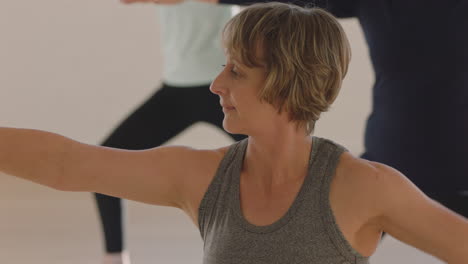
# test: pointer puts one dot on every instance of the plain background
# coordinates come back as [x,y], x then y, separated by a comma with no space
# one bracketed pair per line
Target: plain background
[79,67]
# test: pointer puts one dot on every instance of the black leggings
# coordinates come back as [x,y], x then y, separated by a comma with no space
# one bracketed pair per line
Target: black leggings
[167,113]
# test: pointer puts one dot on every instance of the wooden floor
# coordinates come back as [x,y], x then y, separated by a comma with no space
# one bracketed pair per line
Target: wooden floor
[39,225]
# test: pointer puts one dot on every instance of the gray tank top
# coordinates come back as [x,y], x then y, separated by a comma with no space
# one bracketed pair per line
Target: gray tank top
[306,234]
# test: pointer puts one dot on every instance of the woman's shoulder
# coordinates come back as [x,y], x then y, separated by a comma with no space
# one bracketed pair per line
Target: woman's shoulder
[206,162]
[353,200]
[356,174]
[360,185]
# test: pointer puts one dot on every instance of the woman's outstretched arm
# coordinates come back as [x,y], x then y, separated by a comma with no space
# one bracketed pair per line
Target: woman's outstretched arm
[166,176]
[409,215]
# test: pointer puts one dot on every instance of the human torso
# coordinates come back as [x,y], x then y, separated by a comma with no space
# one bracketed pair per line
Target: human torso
[352,213]
[352,216]
[420,97]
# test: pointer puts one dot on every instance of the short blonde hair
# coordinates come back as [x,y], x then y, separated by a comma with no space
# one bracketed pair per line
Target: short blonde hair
[305,53]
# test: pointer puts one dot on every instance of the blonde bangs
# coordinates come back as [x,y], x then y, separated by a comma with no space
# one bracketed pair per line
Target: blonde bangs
[241,42]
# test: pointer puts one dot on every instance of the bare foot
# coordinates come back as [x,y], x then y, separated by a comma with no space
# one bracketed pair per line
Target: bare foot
[116,258]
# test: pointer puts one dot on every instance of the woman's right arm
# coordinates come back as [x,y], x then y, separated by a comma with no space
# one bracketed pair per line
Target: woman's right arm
[166,176]
[339,8]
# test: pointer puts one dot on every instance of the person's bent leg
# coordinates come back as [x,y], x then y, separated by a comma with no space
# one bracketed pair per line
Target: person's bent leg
[159,119]
[110,213]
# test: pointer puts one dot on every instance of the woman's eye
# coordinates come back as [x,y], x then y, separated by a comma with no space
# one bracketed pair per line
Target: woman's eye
[232,70]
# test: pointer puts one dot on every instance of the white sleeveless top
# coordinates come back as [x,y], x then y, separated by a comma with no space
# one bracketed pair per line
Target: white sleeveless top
[191,42]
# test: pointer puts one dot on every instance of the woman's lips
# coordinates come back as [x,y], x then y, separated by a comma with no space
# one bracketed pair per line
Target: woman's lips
[227,107]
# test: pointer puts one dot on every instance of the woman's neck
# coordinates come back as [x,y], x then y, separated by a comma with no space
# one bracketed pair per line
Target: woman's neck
[278,158]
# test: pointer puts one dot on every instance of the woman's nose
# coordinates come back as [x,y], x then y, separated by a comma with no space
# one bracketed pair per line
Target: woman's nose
[217,86]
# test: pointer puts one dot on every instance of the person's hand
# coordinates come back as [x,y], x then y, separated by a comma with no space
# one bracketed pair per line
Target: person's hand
[167,2]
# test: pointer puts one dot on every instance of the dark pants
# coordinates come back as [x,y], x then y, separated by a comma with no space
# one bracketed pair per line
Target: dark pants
[167,113]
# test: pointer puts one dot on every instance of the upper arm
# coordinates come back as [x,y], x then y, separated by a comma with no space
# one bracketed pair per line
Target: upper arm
[161,176]
[409,215]
[339,8]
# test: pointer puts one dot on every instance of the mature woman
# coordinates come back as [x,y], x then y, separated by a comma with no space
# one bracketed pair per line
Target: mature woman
[279,196]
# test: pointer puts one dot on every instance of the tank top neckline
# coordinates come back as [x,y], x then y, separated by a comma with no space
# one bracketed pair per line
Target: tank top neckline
[290,212]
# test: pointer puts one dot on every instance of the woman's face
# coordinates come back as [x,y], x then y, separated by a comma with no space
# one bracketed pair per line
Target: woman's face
[238,86]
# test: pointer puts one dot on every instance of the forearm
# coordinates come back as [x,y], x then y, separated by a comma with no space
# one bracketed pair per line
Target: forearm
[460,253]
[318,3]
[339,8]
[249,2]
[459,244]
[33,155]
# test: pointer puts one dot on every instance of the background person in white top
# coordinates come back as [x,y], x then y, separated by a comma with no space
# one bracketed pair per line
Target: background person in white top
[190,34]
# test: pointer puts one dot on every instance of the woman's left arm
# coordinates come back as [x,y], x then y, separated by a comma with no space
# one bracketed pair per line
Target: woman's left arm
[413,218]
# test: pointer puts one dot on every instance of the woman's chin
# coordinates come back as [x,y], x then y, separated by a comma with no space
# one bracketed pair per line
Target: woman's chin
[231,128]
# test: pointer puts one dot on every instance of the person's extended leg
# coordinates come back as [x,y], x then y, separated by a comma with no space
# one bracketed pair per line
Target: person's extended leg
[160,118]
[110,212]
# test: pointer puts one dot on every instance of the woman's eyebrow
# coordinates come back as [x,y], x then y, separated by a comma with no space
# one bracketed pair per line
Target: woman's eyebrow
[239,64]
